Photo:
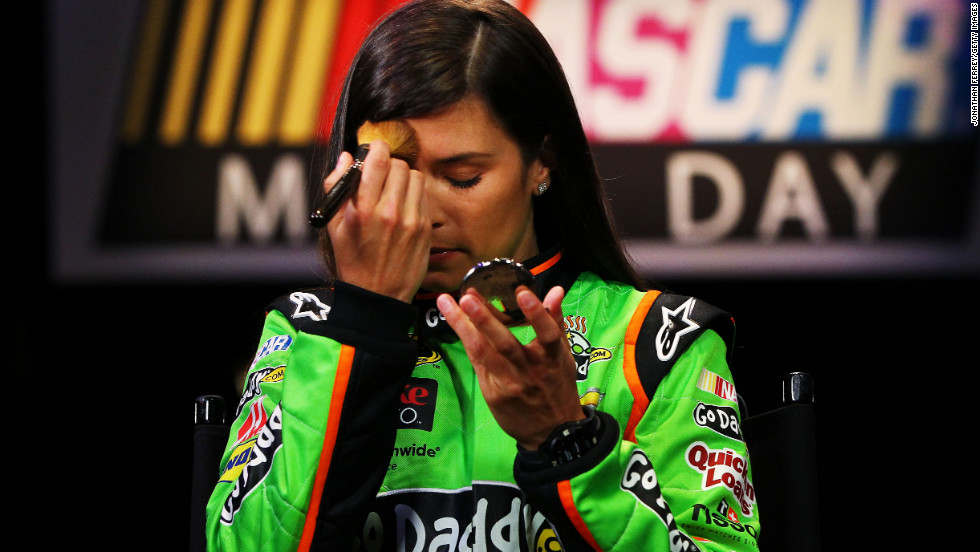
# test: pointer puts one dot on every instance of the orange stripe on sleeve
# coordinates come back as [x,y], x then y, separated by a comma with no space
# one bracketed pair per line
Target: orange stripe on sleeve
[640,399]
[568,503]
[329,441]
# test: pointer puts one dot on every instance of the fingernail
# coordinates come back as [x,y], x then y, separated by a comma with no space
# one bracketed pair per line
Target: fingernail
[469,304]
[445,303]
[525,299]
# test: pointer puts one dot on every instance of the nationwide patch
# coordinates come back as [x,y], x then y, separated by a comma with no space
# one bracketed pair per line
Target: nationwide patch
[420,451]
[716,385]
[417,404]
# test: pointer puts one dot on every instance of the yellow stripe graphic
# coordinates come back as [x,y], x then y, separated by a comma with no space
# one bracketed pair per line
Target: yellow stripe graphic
[226,66]
[144,71]
[280,94]
[707,381]
[185,70]
[301,104]
[264,74]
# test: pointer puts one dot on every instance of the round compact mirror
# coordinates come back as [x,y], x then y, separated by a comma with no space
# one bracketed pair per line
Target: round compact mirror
[496,282]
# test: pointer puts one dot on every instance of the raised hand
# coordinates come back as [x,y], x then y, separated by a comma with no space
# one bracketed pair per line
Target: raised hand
[530,389]
[381,237]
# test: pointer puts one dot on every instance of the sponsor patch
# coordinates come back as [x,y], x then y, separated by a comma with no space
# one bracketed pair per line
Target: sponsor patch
[258,465]
[547,541]
[727,511]
[717,385]
[421,451]
[417,404]
[722,520]
[427,355]
[582,350]
[723,468]
[273,344]
[592,397]
[239,457]
[640,480]
[723,420]
[271,374]
[256,420]
[309,306]
[676,324]
[275,376]
[487,516]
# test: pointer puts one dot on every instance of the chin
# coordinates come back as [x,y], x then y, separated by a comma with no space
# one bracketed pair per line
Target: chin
[440,282]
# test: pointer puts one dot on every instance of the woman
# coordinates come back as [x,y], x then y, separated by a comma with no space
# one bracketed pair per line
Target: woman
[386,412]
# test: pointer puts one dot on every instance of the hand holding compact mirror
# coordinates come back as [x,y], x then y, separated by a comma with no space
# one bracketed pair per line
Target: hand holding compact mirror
[496,283]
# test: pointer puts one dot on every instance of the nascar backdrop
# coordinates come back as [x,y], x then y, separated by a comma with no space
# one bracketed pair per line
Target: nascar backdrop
[752,136]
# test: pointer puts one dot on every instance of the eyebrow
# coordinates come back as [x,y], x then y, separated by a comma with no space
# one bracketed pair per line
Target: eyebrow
[464,156]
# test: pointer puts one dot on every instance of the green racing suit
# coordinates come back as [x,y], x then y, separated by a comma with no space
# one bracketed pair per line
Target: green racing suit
[362,427]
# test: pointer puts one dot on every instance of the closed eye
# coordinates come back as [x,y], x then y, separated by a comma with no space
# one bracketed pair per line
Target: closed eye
[463,184]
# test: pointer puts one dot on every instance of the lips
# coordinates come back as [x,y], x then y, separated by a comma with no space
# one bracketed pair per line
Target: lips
[437,254]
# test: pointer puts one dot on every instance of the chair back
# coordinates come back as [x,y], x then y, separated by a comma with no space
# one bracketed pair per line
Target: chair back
[783,450]
[210,438]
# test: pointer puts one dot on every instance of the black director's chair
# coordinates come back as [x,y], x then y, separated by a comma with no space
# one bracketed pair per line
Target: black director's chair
[210,437]
[783,450]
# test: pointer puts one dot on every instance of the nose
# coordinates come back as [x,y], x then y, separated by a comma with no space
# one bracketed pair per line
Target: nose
[435,201]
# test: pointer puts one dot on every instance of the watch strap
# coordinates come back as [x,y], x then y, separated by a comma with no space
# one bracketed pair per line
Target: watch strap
[567,442]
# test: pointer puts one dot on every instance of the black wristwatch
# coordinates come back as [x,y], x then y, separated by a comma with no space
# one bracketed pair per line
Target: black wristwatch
[571,440]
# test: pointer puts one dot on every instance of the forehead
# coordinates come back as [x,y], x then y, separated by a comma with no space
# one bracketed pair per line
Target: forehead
[465,126]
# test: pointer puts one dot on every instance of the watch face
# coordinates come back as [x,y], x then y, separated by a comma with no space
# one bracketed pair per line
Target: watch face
[572,440]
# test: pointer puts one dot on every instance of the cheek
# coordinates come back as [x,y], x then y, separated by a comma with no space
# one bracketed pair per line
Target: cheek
[489,209]
[511,200]
[507,227]
[504,214]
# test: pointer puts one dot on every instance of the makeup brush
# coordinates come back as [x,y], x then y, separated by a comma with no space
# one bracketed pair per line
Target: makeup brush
[400,138]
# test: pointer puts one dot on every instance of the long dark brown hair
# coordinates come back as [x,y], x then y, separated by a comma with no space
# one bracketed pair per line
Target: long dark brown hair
[429,54]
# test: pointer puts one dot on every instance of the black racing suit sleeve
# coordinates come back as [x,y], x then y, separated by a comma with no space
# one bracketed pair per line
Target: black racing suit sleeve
[378,328]
[538,479]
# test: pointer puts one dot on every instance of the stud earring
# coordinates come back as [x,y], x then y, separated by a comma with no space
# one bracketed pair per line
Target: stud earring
[542,188]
